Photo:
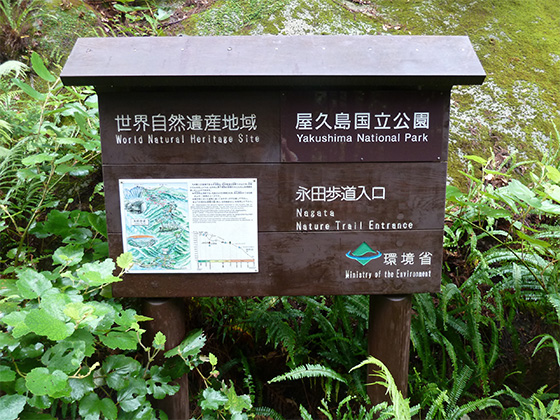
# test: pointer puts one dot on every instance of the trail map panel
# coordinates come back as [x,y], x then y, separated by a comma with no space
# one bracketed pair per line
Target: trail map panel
[190,225]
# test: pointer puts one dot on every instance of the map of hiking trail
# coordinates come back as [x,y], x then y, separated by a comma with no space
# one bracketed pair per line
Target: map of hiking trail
[190,225]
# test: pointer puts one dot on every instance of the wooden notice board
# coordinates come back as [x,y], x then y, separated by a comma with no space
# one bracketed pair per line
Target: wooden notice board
[240,166]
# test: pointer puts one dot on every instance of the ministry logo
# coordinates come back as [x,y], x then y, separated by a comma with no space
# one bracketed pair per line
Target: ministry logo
[363,254]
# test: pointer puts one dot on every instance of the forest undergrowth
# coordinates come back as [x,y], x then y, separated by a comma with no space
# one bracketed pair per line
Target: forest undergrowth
[486,347]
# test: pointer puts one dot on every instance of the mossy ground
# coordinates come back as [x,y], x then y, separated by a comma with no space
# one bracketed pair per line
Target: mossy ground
[63,23]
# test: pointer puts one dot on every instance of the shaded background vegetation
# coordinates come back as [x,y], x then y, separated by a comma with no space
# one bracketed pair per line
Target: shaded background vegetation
[486,346]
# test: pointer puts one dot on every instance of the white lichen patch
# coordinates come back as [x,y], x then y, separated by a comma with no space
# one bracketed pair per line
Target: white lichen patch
[319,17]
[491,111]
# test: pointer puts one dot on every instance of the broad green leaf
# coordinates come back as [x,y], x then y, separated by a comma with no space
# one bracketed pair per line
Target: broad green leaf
[91,407]
[453,192]
[127,319]
[133,396]
[32,284]
[86,337]
[552,173]
[212,359]
[81,170]
[57,223]
[119,369]
[190,346]
[42,323]
[81,387]
[106,314]
[521,192]
[81,313]
[8,287]
[99,223]
[97,273]
[39,401]
[159,341]
[212,399]
[548,207]
[125,260]
[11,406]
[37,159]
[65,356]
[237,403]
[6,340]
[54,301]
[7,374]
[78,236]
[158,384]
[553,191]
[27,174]
[17,320]
[120,340]
[94,279]
[29,90]
[68,255]
[41,381]
[477,159]
[40,69]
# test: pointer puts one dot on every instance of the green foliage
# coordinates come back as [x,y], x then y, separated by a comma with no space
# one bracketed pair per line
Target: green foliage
[52,149]
[501,240]
[300,329]
[309,371]
[55,328]
[137,20]
[16,26]
[68,350]
[219,400]
[400,408]
[534,408]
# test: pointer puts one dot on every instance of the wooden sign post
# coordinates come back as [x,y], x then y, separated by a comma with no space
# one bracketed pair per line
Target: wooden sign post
[271,165]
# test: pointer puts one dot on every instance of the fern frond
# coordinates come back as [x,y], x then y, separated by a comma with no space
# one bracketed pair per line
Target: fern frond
[357,305]
[554,299]
[12,66]
[480,404]
[401,406]
[437,406]
[309,371]
[304,413]
[460,383]
[268,413]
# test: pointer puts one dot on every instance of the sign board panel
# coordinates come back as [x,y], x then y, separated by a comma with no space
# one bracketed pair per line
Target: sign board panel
[311,216]
[314,126]
[303,172]
[365,125]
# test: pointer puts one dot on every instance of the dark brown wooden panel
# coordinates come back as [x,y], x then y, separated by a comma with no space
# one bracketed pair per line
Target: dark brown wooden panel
[317,197]
[365,126]
[249,61]
[310,264]
[189,126]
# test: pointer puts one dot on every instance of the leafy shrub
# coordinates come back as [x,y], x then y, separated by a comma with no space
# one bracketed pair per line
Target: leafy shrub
[47,158]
